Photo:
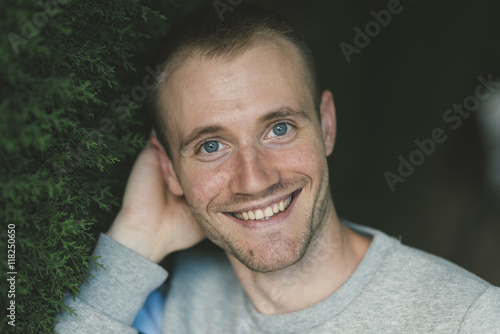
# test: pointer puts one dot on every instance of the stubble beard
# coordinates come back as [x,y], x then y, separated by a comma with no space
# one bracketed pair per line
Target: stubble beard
[278,251]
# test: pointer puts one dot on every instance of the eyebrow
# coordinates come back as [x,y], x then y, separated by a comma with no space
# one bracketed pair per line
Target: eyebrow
[282,113]
[214,129]
[197,133]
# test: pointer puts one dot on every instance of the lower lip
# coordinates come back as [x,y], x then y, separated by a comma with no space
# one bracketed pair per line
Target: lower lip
[276,219]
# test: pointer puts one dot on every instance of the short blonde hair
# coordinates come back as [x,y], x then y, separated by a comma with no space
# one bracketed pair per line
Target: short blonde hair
[203,34]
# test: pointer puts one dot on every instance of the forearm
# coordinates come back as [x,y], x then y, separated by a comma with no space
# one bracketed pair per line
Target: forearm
[111,298]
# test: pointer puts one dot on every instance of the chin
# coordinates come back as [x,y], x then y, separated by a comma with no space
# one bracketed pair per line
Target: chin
[275,253]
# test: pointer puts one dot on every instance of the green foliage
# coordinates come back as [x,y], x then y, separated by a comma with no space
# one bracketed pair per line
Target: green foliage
[62,139]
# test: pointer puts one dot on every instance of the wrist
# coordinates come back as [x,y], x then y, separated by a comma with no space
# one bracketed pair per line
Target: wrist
[139,241]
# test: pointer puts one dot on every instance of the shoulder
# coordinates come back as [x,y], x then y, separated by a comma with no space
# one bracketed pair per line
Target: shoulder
[423,276]
[433,272]
[447,289]
[441,291]
[402,265]
[426,292]
[483,316]
[428,267]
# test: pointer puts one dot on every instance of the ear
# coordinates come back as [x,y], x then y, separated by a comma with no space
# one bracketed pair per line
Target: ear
[328,121]
[167,169]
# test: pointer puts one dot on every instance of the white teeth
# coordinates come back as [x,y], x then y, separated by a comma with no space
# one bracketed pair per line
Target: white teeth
[276,208]
[269,212]
[266,213]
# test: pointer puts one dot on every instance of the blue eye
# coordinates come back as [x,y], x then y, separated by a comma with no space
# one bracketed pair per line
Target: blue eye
[211,146]
[280,129]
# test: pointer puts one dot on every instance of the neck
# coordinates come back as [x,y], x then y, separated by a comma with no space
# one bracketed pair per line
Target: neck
[333,254]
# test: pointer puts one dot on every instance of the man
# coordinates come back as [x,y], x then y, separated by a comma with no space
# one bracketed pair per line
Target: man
[240,158]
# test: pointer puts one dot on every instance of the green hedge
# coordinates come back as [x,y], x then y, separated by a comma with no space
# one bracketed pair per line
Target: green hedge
[74,75]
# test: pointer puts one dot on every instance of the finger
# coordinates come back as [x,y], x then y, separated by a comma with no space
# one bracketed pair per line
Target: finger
[145,181]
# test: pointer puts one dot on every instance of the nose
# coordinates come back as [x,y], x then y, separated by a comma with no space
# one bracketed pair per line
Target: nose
[254,172]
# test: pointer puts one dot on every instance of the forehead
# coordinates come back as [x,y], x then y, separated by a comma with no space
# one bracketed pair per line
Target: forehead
[202,91]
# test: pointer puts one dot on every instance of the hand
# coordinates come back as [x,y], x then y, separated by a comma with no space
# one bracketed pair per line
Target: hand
[153,222]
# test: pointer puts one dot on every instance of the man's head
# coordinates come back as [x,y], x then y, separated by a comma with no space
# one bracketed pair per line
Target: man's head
[247,149]
[204,35]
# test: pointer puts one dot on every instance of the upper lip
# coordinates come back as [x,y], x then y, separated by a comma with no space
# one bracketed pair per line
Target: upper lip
[263,205]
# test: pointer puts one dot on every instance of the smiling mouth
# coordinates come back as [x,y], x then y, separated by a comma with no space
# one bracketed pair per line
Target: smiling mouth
[266,212]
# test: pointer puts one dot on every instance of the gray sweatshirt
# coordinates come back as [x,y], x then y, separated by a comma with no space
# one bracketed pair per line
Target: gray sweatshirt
[395,289]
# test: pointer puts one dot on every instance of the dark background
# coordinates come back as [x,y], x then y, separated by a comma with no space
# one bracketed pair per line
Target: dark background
[63,80]
[396,90]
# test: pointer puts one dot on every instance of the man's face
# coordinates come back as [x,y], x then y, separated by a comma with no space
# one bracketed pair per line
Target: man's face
[247,148]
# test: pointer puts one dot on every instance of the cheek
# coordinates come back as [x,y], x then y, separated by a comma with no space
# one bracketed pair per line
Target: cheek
[201,185]
[306,157]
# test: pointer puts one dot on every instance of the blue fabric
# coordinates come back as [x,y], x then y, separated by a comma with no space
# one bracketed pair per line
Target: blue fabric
[149,319]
